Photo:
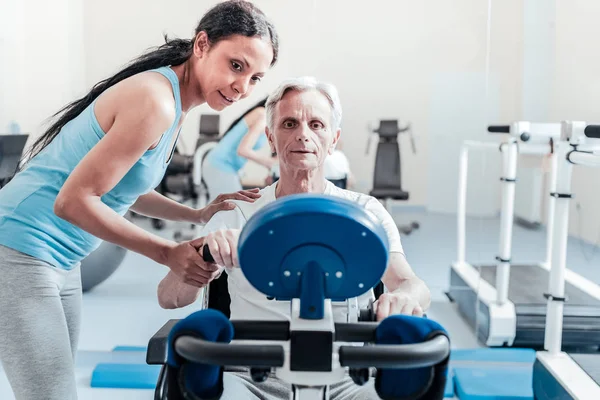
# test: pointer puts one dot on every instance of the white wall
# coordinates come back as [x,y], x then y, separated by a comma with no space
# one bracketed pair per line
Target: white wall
[576,96]
[41,68]
[388,59]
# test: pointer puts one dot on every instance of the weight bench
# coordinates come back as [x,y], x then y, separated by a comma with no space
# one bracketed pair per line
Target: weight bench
[387,176]
[308,250]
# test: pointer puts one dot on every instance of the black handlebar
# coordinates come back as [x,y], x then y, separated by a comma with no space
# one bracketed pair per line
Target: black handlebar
[499,128]
[206,254]
[417,355]
[201,351]
[405,356]
[592,131]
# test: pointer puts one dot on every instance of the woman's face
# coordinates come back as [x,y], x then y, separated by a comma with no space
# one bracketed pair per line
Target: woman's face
[228,70]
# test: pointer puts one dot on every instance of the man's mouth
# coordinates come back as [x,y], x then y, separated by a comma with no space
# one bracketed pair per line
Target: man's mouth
[227,99]
[303,151]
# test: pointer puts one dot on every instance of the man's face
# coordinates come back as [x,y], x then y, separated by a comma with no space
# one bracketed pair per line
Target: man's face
[302,132]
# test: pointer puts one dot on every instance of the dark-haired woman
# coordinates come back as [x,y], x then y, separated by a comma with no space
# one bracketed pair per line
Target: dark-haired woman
[240,143]
[105,154]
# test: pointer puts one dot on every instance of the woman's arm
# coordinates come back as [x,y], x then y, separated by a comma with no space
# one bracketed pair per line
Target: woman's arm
[143,111]
[155,205]
[256,121]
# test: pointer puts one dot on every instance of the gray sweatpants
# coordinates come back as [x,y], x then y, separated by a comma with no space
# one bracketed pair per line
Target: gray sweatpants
[238,385]
[40,317]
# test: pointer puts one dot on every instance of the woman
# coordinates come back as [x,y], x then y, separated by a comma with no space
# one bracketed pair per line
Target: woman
[239,144]
[104,155]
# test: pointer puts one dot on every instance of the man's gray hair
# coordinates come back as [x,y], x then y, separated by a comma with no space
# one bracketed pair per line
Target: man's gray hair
[301,84]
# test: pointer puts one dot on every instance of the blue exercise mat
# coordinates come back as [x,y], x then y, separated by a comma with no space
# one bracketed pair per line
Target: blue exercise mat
[492,374]
[125,376]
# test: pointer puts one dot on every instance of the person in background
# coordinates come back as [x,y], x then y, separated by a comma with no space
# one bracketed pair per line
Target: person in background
[240,143]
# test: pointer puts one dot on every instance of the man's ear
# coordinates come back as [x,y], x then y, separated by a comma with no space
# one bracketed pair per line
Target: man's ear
[336,137]
[270,139]
[201,44]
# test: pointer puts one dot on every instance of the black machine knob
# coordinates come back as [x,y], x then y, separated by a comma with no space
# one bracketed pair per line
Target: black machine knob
[525,136]
[360,376]
[259,374]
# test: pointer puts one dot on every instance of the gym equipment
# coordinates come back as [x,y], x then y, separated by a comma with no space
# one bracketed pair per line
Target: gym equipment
[505,303]
[556,374]
[319,261]
[387,175]
[11,150]
[101,263]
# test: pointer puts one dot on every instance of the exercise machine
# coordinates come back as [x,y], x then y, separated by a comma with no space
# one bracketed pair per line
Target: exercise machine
[11,151]
[505,302]
[387,176]
[309,251]
[556,374]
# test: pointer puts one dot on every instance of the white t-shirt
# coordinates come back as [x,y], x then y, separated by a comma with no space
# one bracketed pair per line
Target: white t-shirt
[247,303]
[336,166]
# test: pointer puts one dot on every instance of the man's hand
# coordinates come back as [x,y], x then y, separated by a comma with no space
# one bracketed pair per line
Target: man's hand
[203,215]
[223,247]
[396,303]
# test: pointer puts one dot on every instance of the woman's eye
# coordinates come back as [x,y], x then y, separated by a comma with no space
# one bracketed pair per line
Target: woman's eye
[236,66]
[256,79]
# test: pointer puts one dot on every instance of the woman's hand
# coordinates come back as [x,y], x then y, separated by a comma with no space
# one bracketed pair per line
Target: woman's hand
[221,204]
[187,263]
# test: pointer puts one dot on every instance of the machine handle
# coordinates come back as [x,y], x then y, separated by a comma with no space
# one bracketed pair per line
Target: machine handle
[404,356]
[206,254]
[499,128]
[205,352]
[592,131]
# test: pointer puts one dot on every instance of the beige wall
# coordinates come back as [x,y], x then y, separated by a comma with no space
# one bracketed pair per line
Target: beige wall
[385,57]
[41,60]
[576,96]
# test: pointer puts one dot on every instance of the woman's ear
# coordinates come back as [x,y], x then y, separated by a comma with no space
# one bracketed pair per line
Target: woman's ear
[201,44]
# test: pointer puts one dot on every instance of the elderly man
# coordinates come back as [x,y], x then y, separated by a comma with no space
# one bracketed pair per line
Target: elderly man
[303,118]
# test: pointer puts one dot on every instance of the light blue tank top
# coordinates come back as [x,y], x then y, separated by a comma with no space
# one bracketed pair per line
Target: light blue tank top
[224,155]
[27,220]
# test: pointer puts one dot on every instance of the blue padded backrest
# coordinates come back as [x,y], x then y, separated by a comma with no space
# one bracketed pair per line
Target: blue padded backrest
[202,380]
[418,383]
[346,241]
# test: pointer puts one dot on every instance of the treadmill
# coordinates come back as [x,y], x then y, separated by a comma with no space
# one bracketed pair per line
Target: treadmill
[11,150]
[505,303]
[556,374]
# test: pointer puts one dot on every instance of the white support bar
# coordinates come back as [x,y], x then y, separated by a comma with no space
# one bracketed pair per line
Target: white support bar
[462,189]
[534,149]
[509,175]
[554,319]
[585,159]
[551,185]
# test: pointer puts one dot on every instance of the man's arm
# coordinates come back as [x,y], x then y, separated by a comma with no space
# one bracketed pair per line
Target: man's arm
[173,292]
[400,278]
